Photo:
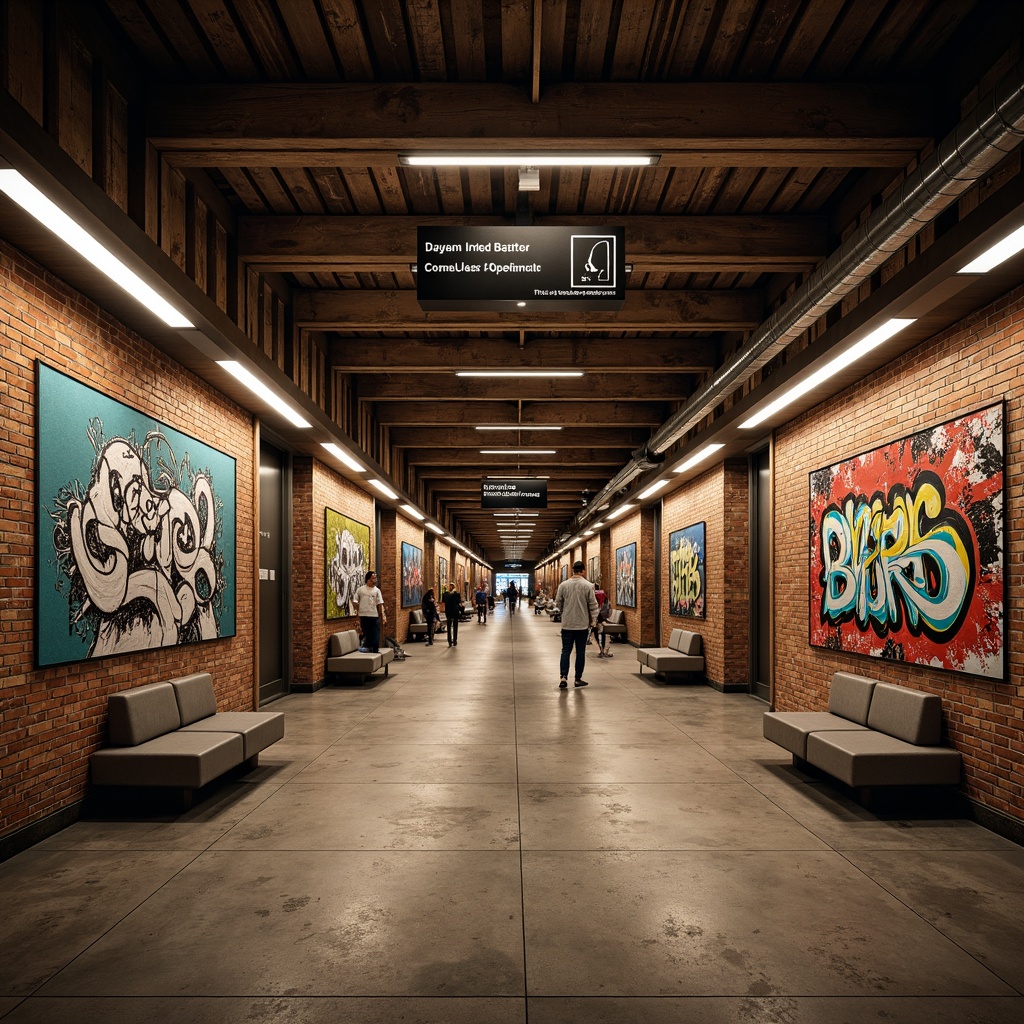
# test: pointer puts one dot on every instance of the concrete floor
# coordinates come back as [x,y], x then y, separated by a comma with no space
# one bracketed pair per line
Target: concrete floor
[463,842]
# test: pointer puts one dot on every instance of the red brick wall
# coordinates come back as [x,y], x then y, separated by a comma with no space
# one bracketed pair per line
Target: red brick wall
[974,364]
[315,488]
[54,718]
[717,498]
[636,527]
[407,532]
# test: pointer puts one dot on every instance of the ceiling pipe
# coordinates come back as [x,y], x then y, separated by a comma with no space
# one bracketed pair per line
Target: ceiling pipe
[989,133]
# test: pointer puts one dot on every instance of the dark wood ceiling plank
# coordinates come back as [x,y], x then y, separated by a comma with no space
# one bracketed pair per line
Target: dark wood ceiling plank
[332,189]
[770,118]
[403,387]
[595,410]
[807,35]
[455,437]
[184,43]
[403,355]
[274,191]
[468,40]
[428,46]
[723,55]
[241,184]
[389,188]
[151,44]
[300,243]
[388,44]
[346,32]
[267,40]
[517,40]
[772,25]
[302,189]
[552,43]
[311,43]
[359,182]
[498,463]
[697,23]
[653,311]
[592,35]
[855,23]
[224,36]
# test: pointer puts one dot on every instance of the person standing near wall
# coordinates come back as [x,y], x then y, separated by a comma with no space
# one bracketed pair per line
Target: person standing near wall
[481,603]
[429,606]
[452,610]
[370,603]
[513,596]
[577,605]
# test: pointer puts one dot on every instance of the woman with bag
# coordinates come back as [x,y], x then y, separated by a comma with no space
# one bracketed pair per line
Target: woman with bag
[429,606]
[603,613]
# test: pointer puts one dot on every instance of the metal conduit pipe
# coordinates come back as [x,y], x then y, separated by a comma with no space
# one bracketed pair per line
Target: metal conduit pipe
[990,132]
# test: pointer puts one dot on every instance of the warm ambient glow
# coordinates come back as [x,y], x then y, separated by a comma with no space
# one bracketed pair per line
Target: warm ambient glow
[693,460]
[518,451]
[436,529]
[653,489]
[517,426]
[413,512]
[51,216]
[343,457]
[258,388]
[529,159]
[522,515]
[384,489]
[519,373]
[619,511]
[998,253]
[832,367]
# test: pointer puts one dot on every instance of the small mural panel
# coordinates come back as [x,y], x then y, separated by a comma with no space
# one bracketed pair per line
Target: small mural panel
[347,554]
[907,549]
[686,594]
[135,527]
[625,576]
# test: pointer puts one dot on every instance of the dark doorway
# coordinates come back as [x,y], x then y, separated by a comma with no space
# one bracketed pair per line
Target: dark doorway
[273,662]
[760,574]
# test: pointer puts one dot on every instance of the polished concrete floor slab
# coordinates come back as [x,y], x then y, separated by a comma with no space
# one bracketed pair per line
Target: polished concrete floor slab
[462,842]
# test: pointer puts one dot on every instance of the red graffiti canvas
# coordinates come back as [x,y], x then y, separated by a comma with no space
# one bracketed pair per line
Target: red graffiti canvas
[907,549]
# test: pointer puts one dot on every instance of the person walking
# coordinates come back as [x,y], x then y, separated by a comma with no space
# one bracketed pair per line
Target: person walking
[481,603]
[603,614]
[370,608]
[513,596]
[577,605]
[452,609]
[429,606]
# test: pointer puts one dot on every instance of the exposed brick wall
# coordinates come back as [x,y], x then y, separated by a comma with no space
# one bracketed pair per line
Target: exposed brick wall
[53,718]
[717,498]
[407,532]
[636,527]
[315,488]
[974,364]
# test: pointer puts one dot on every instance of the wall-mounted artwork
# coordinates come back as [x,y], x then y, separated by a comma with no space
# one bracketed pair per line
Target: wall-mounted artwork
[460,578]
[442,575]
[347,555]
[907,549]
[686,572]
[625,576]
[412,575]
[594,570]
[564,573]
[135,527]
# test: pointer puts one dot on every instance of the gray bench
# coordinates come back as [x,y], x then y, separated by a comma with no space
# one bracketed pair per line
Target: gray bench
[683,655]
[170,734]
[615,627]
[417,624]
[873,734]
[345,660]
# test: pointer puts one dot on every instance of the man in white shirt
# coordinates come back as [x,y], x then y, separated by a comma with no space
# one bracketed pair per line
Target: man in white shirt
[371,612]
[577,605]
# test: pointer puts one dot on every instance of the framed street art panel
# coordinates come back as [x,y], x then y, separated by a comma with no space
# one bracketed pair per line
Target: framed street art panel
[442,575]
[594,570]
[135,528]
[907,549]
[625,576]
[347,554]
[412,575]
[686,572]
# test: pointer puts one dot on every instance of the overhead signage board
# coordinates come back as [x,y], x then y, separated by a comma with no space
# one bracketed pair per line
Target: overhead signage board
[511,269]
[522,493]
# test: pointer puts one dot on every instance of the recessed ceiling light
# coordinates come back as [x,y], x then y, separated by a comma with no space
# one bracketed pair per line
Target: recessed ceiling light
[996,254]
[343,457]
[518,451]
[258,388]
[693,460]
[620,510]
[522,159]
[384,489]
[653,489]
[516,426]
[518,373]
[415,513]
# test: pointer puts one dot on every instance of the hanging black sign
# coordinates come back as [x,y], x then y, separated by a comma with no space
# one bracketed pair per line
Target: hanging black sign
[520,268]
[522,493]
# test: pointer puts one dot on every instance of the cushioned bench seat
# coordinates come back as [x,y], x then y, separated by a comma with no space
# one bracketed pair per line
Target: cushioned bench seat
[683,654]
[615,627]
[345,659]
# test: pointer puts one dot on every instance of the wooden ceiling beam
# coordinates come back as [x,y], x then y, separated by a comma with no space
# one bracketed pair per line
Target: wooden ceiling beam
[250,125]
[440,355]
[705,244]
[463,437]
[673,311]
[599,412]
[512,464]
[432,387]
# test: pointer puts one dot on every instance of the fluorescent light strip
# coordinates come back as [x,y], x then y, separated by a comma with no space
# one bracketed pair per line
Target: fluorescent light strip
[523,514]
[69,231]
[840,362]
[998,253]
[413,512]
[693,460]
[519,373]
[384,489]
[517,426]
[653,489]
[518,451]
[436,529]
[343,457]
[529,159]
[258,388]
[619,511]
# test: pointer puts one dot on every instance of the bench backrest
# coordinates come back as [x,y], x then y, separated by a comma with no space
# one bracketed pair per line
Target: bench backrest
[685,642]
[344,643]
[416,616]
[616,616]
[849,696]
[195,697]
[142,713]
[906,714]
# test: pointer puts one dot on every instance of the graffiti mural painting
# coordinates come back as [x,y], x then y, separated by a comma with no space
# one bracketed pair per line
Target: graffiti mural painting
[907,549]
[625,576]
[135,528]
[347,554]
[686,585]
